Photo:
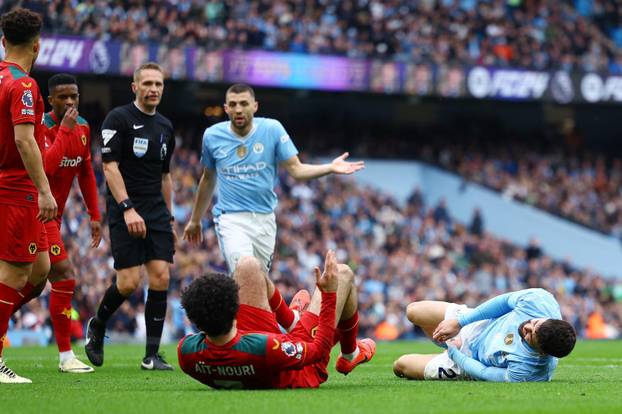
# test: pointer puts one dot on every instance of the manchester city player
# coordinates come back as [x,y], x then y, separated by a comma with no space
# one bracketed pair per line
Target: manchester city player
[513,337]
[241,156]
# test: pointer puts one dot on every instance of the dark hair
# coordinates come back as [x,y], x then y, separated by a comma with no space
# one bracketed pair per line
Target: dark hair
[20,26]
[61,79]
[211,303]
[240,88]
[556,337]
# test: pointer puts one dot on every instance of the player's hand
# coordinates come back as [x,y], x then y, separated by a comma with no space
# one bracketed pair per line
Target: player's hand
[446,330]
[193,233]
[328,281]
[135,224]
[96,233]
[341,166]
[47,207]
[454,342]
[70,119]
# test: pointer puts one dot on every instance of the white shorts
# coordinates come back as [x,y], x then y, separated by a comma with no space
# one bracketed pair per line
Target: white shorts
[246,234]
[441,367]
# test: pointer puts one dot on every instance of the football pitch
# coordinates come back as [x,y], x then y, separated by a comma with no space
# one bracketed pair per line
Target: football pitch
[588,381]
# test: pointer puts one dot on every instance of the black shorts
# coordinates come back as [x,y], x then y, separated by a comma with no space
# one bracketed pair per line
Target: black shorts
[128,251]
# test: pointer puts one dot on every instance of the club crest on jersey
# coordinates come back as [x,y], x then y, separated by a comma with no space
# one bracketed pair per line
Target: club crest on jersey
[241,151]
[140,146]
[509,338]
[163,152]
[288,349]
[32,248]
[55,250]
[258,148]
[83,139]
[27,98]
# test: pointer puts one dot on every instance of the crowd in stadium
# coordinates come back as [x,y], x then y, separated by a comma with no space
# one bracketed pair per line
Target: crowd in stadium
[399,253]
[538,34]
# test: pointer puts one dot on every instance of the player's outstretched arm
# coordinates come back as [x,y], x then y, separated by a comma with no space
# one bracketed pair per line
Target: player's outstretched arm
[193,231]
[135,224]
[476,369]
[302,172]
[31,157]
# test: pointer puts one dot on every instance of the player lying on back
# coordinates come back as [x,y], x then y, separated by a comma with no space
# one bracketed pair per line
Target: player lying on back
[514,337]
[241,346]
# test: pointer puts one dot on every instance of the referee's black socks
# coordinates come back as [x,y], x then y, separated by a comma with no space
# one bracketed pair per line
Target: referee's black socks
[155,313]
[110,303]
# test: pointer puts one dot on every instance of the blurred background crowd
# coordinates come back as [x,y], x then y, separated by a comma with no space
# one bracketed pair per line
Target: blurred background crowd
[538,34]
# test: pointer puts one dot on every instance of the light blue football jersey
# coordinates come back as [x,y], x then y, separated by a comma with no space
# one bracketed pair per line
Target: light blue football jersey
[500,344]
[246,167]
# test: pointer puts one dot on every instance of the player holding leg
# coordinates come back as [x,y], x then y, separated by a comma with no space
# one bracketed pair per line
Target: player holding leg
[513,337]
[241,346]
[26,201]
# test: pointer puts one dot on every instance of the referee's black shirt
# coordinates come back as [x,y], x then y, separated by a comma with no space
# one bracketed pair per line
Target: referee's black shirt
[142,145]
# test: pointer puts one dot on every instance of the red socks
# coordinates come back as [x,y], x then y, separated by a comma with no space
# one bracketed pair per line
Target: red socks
[348,330]
[25,296]
[284,315]
[8,298]
[60,312]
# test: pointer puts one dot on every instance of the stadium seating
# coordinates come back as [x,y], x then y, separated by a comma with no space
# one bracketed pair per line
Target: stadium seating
[538,34]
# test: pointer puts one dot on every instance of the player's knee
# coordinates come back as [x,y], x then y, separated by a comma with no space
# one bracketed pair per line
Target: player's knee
[248,269]
[127,285]
[61,271]
[159,281]
[398,367]
[346,275]
[413,312]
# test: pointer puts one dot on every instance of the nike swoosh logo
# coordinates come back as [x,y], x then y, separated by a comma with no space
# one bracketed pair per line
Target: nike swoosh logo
[158,319]
[149,365]
[137,126]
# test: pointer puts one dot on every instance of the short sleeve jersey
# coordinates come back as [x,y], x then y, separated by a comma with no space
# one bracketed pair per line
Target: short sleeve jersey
[20,103]
[500,344]
[76,158]
[246,167]
[142,144]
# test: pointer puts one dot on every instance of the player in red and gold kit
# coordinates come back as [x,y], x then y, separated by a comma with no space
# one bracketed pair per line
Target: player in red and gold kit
[26,201]
[67,155]
[241,346]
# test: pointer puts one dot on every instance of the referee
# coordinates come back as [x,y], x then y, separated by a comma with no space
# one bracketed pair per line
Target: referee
[137,146]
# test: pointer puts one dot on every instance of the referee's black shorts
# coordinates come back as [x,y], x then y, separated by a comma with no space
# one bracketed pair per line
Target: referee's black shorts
[128,251]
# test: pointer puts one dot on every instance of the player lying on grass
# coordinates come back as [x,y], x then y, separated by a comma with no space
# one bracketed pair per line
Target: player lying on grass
[513,337]
[241,345]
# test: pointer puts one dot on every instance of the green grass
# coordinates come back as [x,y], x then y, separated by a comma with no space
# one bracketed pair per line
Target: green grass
[590,380]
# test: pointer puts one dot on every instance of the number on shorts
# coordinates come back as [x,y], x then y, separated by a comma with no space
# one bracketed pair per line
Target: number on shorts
[449,373]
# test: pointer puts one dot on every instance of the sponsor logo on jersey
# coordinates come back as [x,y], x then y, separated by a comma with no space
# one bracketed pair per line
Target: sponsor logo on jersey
[509,338]
[27,98]
[241,151]
[30,112]
[137,126]
[55,250]
[284,139]
[107,135]
[141,145]
[83,139]
[163,150]
[27,84]
[32,248]
[106,150]
[70,162]
[276,344]
[258,148]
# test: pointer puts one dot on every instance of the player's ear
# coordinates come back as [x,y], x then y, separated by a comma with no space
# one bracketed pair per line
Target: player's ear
[134,87]
[50,99]
[255,106]
[36,46]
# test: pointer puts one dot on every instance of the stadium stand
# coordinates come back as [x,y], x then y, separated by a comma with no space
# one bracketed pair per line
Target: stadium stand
[537,34]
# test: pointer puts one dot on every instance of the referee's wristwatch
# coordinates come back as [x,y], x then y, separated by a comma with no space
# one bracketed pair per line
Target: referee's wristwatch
[126,205]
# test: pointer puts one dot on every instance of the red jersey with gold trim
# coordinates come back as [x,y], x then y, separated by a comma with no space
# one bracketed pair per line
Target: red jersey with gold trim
[67,155]
[258,360]
[20,103]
